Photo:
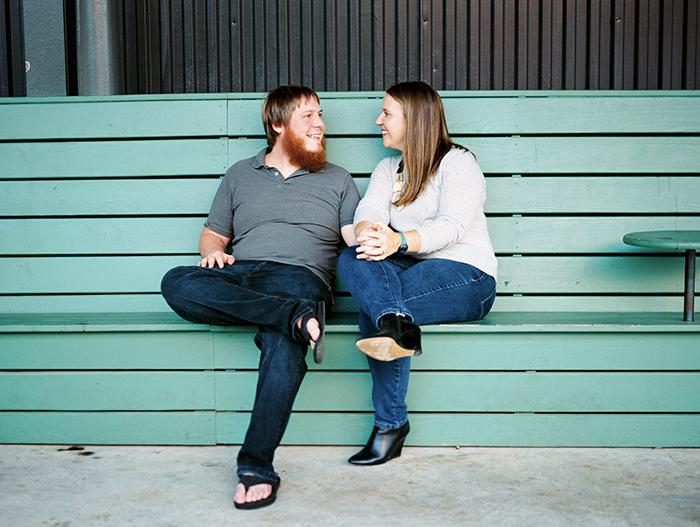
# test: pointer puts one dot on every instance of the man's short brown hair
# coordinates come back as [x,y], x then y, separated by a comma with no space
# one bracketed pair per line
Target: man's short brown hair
[279,105]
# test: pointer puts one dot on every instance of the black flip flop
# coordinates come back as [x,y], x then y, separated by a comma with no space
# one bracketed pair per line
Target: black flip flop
[250,480]
[320,316]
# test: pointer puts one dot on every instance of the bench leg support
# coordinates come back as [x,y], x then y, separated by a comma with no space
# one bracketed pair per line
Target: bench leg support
[689,304]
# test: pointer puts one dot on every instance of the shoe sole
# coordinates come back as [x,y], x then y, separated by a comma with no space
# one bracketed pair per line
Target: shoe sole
[384,349]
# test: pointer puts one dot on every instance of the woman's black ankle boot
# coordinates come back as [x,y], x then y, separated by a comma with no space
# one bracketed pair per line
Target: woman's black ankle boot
[382,446]
[397,337]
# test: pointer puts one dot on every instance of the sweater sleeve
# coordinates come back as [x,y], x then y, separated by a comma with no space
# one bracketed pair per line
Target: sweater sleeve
[376,203]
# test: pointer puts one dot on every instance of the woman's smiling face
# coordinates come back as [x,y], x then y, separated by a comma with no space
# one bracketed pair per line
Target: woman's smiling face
[393,123]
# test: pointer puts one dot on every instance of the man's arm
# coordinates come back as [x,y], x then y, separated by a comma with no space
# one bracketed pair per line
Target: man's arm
[212,247]
[348,235]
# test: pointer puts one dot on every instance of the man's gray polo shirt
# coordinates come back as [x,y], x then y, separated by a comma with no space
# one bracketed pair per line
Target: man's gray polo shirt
[294,221]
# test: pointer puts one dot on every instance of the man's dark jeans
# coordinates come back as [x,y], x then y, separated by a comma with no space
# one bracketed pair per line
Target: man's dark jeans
[272,296]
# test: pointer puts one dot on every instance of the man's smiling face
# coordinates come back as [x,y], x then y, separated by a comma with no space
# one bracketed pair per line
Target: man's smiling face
[303,141]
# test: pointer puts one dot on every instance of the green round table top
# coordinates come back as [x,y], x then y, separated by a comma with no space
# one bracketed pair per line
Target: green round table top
[664,239]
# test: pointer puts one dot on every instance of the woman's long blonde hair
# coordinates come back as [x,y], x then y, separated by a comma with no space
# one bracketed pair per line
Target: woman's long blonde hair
[427,139]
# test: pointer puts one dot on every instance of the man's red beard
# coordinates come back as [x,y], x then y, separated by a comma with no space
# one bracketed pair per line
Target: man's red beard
[294,147]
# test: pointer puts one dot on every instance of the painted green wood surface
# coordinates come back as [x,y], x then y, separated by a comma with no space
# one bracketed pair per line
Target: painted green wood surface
[205,428]
[501,342]
[505,195]
[501,155]
[519,235]
[135,350]
[508,114]
[126,118]
[578,392]
[351,113]
[593,167]
[104,390]
[108,197]
[520,430]
[109,428]
[154,303]
[528,155]
[137,158]
[571,392]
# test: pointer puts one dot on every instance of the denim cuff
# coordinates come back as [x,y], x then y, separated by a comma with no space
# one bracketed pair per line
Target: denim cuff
[256,471]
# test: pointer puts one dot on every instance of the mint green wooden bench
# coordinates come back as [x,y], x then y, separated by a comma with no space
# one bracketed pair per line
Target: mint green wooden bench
[585,345]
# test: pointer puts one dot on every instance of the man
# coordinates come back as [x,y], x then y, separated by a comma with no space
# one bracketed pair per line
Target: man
[284,212]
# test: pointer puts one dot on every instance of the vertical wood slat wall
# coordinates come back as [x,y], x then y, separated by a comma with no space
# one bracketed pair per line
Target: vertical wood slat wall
[12,80]
[356,45]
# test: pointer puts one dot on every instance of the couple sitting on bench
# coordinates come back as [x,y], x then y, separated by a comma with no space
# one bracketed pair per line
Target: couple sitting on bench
[418,253]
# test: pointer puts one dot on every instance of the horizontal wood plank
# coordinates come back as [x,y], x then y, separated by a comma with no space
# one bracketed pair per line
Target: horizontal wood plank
[505,195]
[486,392]
[572,392]
[510,113]
[173,235]
[114,391]
[496,155]
[109,428]
[97,159]
[528,155]
[108,197]
[504,430]
[130,118]
[154,303]
[497,430]
[624,274]
[501,112]
[134,350]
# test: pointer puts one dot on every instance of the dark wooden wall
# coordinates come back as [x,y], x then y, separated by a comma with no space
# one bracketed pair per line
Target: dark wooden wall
[351,45]
[12,81]
[176,46]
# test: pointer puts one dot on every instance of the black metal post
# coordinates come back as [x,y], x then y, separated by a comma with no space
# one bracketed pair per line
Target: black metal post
[689,306]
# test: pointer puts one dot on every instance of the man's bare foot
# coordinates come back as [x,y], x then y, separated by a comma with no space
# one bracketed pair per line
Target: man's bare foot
[313,329]
[260,492]
[255,493]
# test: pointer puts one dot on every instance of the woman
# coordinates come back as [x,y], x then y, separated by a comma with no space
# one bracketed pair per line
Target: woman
[424,253]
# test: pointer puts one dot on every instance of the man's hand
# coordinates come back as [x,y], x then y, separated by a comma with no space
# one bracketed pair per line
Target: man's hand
[212,247]
[219,258]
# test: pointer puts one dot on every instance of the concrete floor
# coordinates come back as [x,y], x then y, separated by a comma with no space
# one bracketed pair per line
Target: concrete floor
[193,486]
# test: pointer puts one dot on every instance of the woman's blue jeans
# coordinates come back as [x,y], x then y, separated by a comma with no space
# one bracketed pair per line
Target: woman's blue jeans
[272,296]
[430,291]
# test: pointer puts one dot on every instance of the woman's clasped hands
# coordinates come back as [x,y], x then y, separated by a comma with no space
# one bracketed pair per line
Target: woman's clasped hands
[377,241]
